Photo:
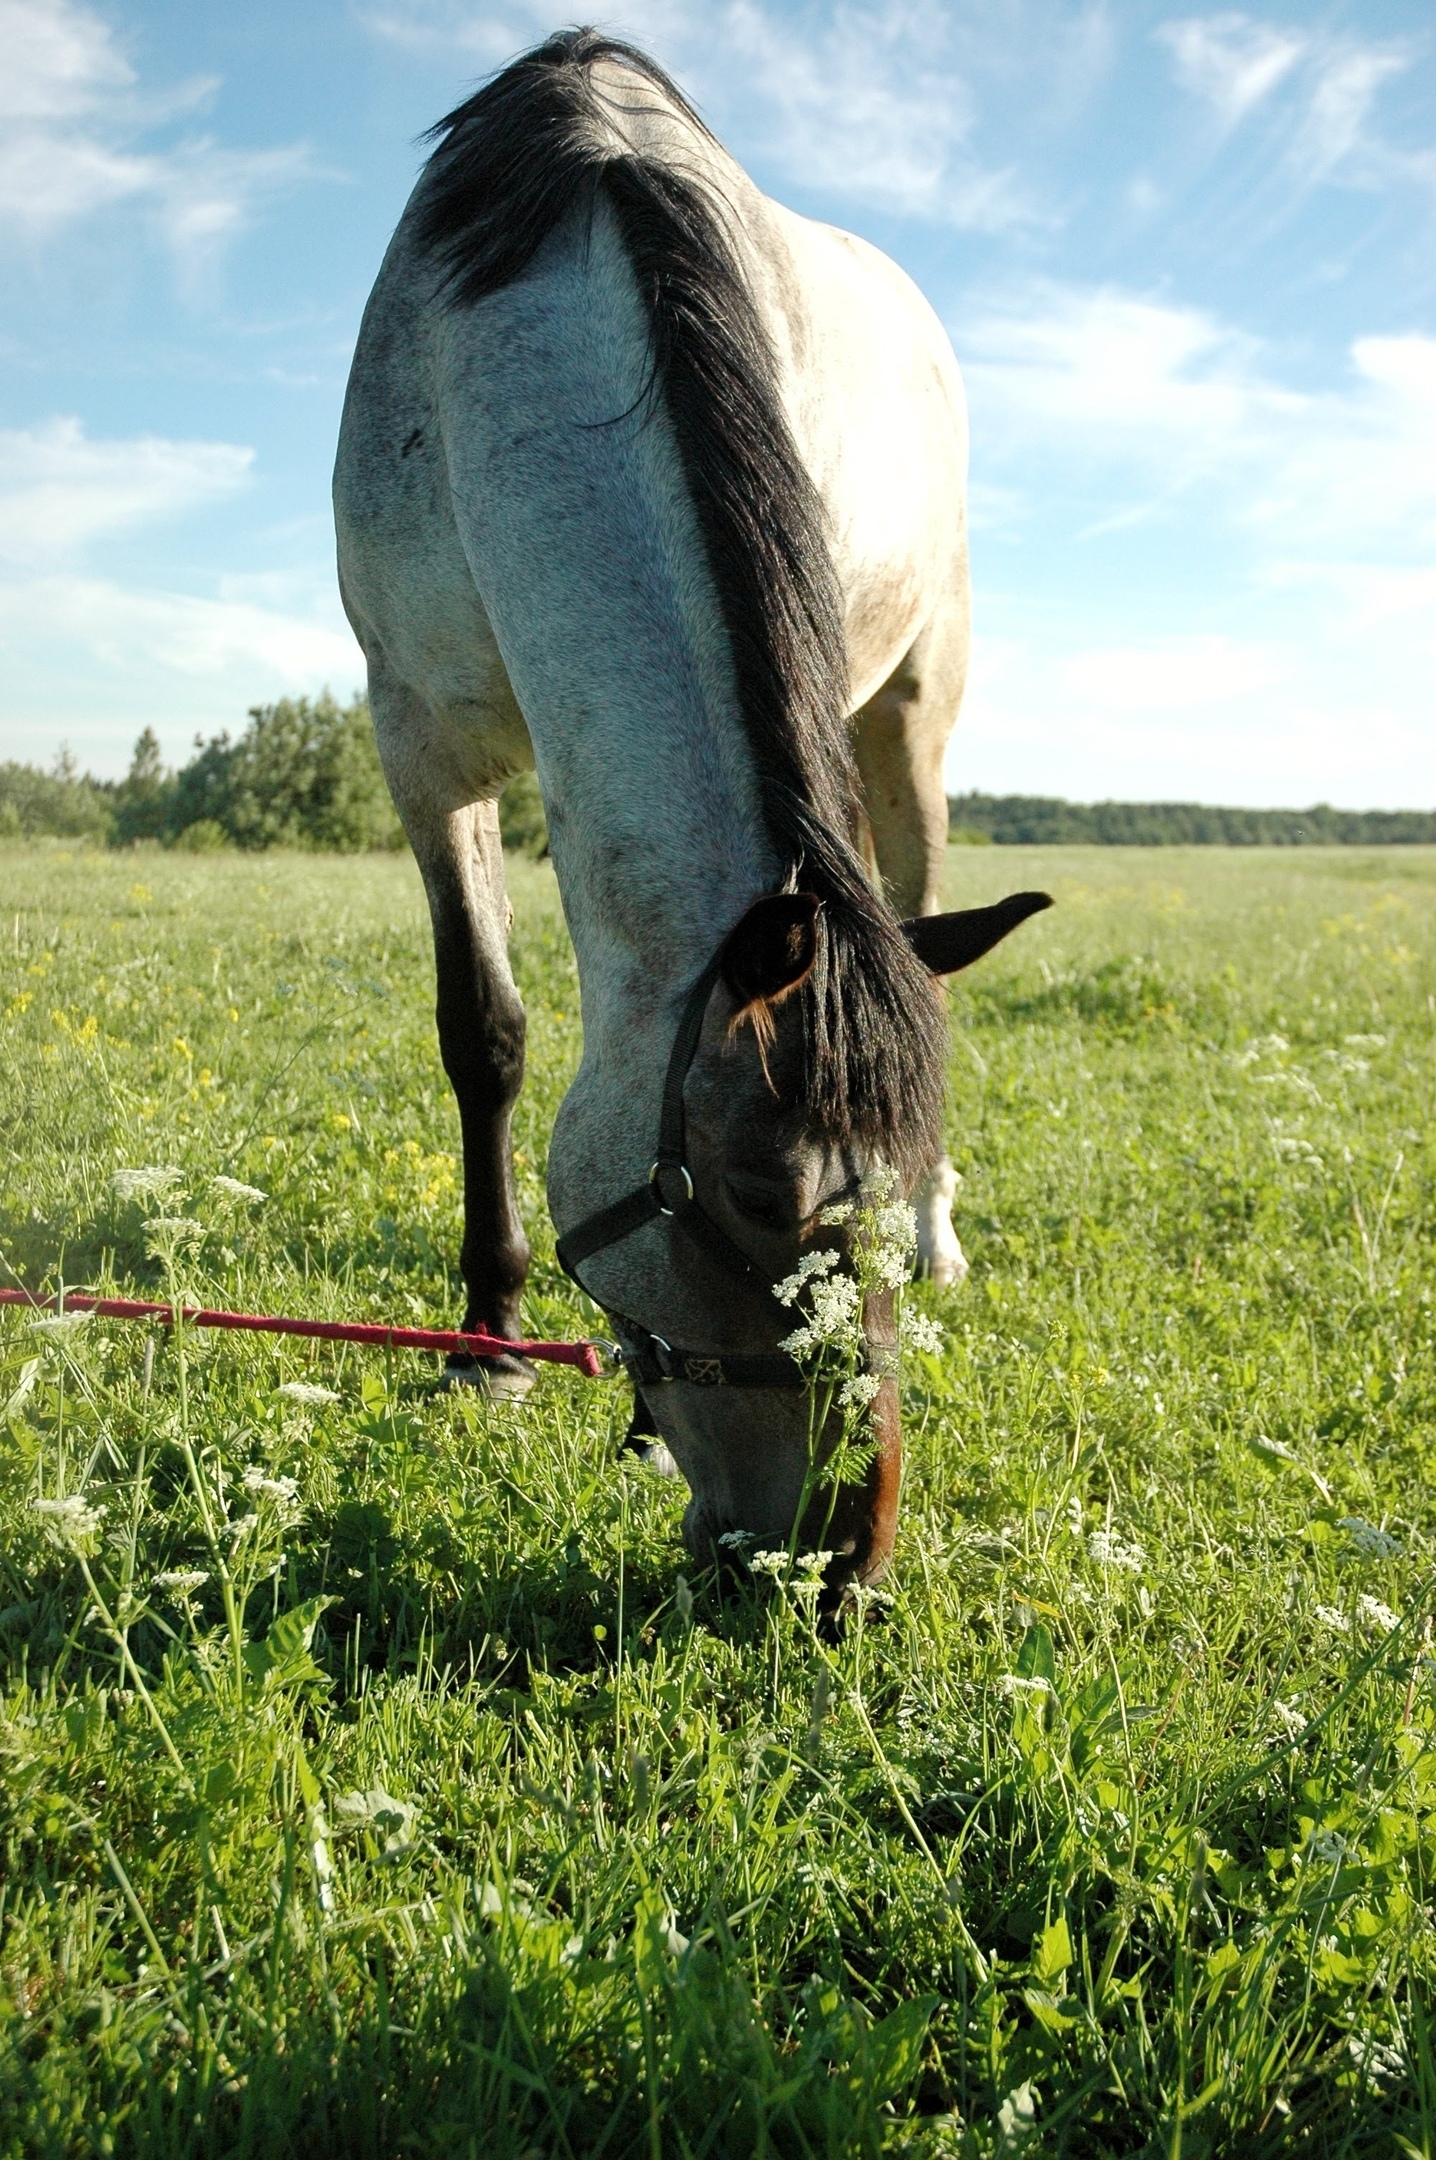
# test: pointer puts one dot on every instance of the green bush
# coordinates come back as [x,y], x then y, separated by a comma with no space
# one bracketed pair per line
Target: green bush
[521,817]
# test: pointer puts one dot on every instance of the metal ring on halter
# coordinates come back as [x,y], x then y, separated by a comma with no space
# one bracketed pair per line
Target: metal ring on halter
[684,1173]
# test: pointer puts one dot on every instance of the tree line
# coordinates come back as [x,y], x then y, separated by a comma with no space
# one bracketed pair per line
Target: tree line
[1048,821]
[304,773]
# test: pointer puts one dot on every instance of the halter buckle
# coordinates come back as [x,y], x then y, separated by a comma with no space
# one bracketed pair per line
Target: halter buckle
[683,1171]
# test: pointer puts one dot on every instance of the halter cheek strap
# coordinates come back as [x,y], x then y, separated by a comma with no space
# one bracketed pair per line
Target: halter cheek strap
[668,1193]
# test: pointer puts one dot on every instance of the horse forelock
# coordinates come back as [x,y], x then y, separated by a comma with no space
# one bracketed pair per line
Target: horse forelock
[528,149]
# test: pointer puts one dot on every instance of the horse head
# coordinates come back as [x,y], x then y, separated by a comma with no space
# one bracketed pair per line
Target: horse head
[749,1182]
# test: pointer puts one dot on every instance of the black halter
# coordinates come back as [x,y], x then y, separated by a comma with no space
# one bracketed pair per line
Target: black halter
[668,1192]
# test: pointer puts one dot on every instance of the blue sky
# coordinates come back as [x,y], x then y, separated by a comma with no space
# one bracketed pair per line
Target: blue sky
[1188,262]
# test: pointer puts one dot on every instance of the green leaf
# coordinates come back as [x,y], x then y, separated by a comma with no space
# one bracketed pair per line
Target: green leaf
[283,1656]
[1035,1659]
[1053,1951]
[894,2046]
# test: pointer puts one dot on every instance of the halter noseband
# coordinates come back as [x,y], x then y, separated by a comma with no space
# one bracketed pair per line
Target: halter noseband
[668,1192]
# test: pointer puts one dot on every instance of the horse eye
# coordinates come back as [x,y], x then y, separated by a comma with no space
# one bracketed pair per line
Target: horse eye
[773,1202]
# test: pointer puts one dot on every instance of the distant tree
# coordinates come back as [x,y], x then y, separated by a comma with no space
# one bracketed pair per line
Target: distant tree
[522,825]
[305,773]
[62,803]
[144,800]
[1047,821]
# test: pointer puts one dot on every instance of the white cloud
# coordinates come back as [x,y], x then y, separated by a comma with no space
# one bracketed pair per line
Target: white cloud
[131,632]
[1304,518]
[1158,400]
[867,103]
[60,490]
[59,59]
[73,140]
[1231,61]
[1235,65]
[91,661]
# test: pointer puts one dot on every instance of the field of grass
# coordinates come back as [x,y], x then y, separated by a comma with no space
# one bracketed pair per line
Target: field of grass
[375,1780]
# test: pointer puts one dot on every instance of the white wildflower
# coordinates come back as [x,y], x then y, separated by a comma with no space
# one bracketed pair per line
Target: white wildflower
[61,1323]
[919,1331]
[240,1530]
[278,1489]
[834,1320]
[1331,1616]
[1018,1684]
[232,1188]
[841,1211]
[812,1264]
[1290,1722]
[183,1580]
[859,1390]
[1110,1551]
[1364,1042]
[303,1391]
[768,1563]
[736,1538]
[69,1523]
[1377,1615]
[167,1235]
[150,1182]
[813,1563]
[1367,1540]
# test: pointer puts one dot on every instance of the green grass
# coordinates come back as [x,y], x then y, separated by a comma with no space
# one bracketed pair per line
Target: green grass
[1111,1830]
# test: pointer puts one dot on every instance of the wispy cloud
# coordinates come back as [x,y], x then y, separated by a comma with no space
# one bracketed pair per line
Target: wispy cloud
[60,490]
[870,104]
[1132,393]
[76,139]
[1231,61]
[1319,87]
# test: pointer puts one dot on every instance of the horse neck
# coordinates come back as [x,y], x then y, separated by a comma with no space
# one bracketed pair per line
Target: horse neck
[588,556]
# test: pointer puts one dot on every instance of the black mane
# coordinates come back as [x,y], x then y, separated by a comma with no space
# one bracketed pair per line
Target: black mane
[529,148]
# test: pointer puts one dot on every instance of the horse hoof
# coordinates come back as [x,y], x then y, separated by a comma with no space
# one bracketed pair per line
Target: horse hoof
[947,1270]
[501,1379]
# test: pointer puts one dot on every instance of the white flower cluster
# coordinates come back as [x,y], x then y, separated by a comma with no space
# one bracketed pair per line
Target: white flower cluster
[1331,1616]
[69,1523]
[919,1331]
[304,1391]
[182,1580]
[1110,1551]
[810,1564]
[1367,1540]
[61,1323]
[892,1235]
[279,1489]
[1290,1723]
[168,1235]
[1377,1615]
[858,1390]
[790,1289]
[150,1182]
[232,1188]
[835,1314]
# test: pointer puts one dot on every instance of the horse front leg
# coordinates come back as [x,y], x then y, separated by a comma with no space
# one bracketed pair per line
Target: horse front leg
[481,1041]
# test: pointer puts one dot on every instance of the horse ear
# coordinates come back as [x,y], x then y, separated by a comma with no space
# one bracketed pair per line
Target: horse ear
[771,950]
[945,943]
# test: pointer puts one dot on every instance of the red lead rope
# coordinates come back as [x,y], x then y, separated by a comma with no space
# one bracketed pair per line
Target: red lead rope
[582,1354]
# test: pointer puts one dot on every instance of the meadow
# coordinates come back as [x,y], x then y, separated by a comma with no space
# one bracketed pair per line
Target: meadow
[378,1777]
